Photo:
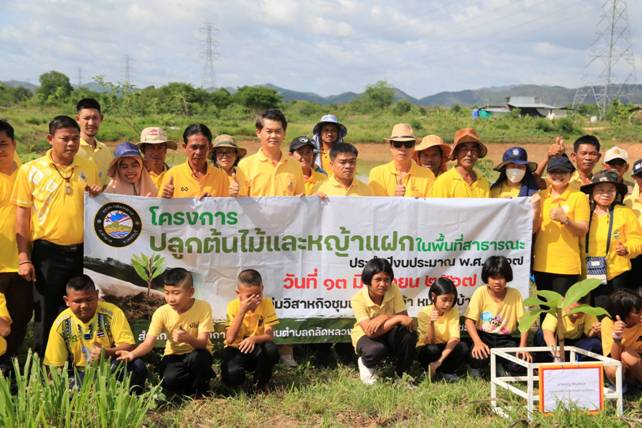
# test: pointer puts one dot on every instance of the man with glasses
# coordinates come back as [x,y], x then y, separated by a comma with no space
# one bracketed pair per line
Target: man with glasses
[401,176]
[463,181]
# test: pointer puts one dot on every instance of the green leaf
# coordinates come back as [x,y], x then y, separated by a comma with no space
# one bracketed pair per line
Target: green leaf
[157,262]
[527,320]
[141,271]
[533,301]
[137,259]
[553,299]
[579,290]
[586,309]
[145,259]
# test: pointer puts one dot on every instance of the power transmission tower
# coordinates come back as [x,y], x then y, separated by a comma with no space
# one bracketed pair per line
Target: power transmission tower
[210,52]
[610,67]
[128,61]
[79,77]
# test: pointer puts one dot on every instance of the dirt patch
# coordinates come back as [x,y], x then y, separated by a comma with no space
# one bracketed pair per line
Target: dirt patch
[138,307]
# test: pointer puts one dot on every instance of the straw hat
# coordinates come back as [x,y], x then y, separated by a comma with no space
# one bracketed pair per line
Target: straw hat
[402,132]
[225,140]
[467,135]
[156,135]
[434,141]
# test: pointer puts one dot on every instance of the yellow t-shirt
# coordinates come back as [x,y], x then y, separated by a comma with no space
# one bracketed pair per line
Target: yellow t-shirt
[71,338]
[450,184]
[325,160]
[495,317]
[255,322]
[4,313]
[504,191]
[418,181]
[332,187]
[312,182]
[8,247]
[56,214]
[446,327]
[241,179]
[633,201]
[632,337]
[158,178]
[557,250]
[364,308]
[214,182]
[101,156]
[197,319]
[572,330]
[266,179]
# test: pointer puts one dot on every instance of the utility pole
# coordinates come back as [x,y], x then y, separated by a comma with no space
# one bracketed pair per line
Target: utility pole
[208,78]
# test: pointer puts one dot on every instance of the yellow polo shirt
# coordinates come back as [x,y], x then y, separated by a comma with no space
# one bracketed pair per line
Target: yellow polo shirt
[313,181]
[572,330]
[56,216]
[241,179]
[255,322]
[626,229]
[505,191]
[445,328]
[556,249]
[71,338]
[495,317]
[214,182]
[196,320]
[633,201]
[418,181]
[365,309]
[101,156]
[4,313]
[450,184]
[325,160]
[332,187]
[576,181]
[8,247]
[157,179]
[266,179]
[631,338]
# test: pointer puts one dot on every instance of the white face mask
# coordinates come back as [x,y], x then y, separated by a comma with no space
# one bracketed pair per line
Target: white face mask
[515,175]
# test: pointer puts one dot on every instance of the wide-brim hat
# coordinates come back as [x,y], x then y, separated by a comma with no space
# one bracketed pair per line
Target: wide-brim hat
[401,132]
[605,177]
[468,135]
[517,156]
[434,141]
[225,140]
[123,150]
[330,118]
[156,135]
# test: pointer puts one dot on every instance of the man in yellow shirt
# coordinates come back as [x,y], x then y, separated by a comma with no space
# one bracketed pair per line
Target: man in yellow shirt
[89,118]
[270,172]
[586,155]
[327,132]
[89,329]
[401,176]
[153,145]
[462,181]
[17,291]
[303,151]
[342,180]
[49,194]
[195,178]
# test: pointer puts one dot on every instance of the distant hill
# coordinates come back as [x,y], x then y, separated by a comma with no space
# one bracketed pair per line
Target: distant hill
[18,83]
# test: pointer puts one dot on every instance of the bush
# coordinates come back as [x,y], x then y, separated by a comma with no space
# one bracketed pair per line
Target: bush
[565,125]
[401,107]
[544,125]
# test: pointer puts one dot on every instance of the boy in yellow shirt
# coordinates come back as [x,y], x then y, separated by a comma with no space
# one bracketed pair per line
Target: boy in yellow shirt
[248,338]
[89,329]
[186,367]
[302,150]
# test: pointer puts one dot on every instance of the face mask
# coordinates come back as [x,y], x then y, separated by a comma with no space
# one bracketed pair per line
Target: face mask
[515,175]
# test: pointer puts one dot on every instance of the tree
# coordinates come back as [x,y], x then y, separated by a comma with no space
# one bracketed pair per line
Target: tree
[54,86]
[257,98]
[376,97]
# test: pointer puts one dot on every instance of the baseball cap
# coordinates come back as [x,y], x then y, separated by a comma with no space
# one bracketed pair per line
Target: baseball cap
[615,152]
[299,142]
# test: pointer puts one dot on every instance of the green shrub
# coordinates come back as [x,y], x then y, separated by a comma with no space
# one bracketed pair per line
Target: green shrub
[565,125]
[544,125]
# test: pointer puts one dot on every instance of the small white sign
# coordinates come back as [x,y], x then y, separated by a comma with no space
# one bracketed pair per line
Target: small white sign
[579,386]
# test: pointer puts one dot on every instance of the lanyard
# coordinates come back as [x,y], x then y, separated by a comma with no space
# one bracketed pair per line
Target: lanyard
[608,239]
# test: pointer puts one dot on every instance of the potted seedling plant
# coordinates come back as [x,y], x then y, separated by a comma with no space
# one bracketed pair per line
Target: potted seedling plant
[148,268]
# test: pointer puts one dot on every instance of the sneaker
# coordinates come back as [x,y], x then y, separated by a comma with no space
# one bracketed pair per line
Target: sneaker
[367,375]
[287,356]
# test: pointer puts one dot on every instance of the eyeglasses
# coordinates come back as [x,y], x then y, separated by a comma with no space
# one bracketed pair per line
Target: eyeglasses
[400,144]
[225,152]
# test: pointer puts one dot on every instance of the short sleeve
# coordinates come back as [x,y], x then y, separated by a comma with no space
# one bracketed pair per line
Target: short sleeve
[269,313]
[589,320]
[453,324]
[299,182]
[223,183]
[230,312]
[519,303]
[474,306]
[121,331]
[423,320]
[56,353]
[166,177]
[4,312]
[22,191]
[157,324]
[374,181]
[205,324]
[607,335]
[582,209]
[398,304]
[550,323]
[359,308]
[438,189]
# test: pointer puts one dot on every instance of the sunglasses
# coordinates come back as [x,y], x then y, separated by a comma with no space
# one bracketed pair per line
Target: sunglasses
[400,144]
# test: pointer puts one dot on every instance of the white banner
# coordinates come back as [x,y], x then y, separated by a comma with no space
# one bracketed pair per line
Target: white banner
[309,252]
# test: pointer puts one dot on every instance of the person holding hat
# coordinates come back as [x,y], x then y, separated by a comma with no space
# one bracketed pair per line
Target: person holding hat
[128,174]
[226,155]
[326,133]
[153,145]
[462,181]
[401,176]
[634,201]
[559,226]
[303,151]
[433,153]
[617,159]
[515,176]
[614,234]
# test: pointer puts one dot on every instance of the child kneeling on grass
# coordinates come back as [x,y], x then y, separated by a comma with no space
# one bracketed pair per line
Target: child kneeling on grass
[492,316]
[89,328]
[248,338]
[382,326]
[621,335]
[186,367]
[439,349]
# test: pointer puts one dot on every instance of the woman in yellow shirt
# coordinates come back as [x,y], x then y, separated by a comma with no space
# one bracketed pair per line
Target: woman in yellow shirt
[226,155]
[634,201]
[614,235]
[515,176]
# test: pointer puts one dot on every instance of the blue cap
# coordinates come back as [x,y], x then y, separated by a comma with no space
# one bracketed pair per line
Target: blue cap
[330,118]
[518,156]
[123,150]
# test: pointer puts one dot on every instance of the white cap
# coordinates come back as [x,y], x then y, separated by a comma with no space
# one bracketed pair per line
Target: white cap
[616,153]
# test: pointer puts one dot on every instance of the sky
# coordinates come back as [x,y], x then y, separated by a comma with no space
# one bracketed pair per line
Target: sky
[324,46]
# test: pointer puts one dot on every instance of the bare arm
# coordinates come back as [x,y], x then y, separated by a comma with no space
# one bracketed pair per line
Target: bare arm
[23,240]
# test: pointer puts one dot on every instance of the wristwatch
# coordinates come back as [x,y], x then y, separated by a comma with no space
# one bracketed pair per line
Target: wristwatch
[565,222]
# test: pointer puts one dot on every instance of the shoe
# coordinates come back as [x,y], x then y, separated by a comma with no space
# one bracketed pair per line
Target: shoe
[287,356]
[367,375]
[476,373]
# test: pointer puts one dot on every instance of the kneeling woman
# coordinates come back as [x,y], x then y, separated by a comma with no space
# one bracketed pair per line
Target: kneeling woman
[383,327]
[128,175]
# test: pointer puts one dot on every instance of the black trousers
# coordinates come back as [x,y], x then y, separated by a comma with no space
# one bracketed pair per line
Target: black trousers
[19,296]
[398,342]
[555,281]
[600,296]
[187,374]
[261,361]
[635,277]
[493,341]
[55,265]
[455,361]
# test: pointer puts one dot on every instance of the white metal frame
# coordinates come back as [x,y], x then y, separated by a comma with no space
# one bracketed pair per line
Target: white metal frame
[531,395]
